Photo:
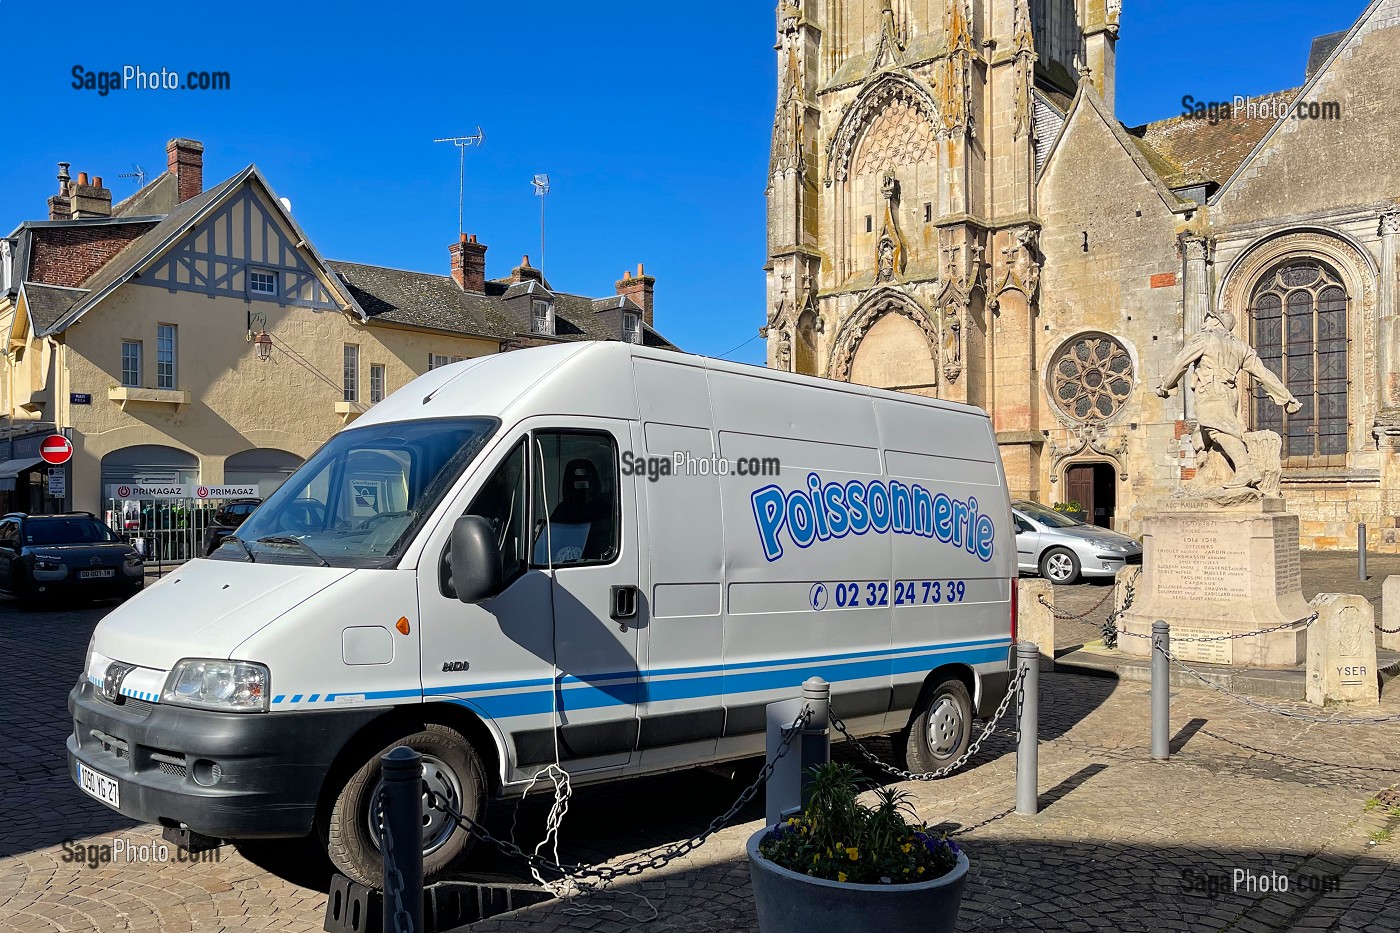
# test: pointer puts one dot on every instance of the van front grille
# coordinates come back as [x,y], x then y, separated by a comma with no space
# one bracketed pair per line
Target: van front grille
[168,763]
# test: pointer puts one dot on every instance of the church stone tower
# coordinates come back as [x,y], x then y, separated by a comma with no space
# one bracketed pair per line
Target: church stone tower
[902,220]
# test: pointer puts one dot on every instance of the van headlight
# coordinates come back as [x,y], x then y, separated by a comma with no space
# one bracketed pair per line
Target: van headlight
[230,686]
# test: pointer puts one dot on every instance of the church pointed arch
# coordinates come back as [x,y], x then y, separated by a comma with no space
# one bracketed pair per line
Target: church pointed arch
[878,94]
[875,306]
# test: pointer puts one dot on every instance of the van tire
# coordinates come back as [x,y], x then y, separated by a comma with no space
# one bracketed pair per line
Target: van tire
[345,829]
[1059,566]
[941,729]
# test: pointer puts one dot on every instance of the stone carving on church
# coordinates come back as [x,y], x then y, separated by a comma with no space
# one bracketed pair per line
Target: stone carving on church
[953,81]
[890,52]
[785,352]
[787,153]
[1229,466]
[886,93]
[1023,51]
[878,302]
[1092,439]
[1091,377]
[1390,223]
[1020,265]
[890,251]
[952,341]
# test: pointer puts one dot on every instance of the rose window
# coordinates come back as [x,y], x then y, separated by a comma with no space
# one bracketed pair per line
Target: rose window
[1091,377]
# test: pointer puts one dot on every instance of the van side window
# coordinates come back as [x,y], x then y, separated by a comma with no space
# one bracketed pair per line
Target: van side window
[501,502]
[576,513]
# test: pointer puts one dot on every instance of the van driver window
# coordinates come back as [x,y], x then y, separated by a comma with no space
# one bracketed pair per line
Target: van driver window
[501,502]
[576,515]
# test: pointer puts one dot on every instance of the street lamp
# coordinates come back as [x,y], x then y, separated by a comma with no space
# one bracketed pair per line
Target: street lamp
[263,343]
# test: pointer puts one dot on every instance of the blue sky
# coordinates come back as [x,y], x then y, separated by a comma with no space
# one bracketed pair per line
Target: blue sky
[652,121]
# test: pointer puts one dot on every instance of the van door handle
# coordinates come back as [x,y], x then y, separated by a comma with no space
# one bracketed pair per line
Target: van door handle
[624,604]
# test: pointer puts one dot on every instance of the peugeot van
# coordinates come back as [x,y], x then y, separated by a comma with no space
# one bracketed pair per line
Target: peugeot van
[594,554]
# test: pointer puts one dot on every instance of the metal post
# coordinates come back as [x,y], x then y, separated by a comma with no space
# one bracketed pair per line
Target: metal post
[1361,550]
[1161,690]
[816,738]
[1028,725]
[401,770]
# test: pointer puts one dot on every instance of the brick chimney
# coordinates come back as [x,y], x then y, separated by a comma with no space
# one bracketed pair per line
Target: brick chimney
[469,264]
[526,271]
[640,289]
[185,160]
[60,207]
[89,199]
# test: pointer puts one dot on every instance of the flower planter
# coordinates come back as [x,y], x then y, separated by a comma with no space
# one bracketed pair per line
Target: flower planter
[789,902]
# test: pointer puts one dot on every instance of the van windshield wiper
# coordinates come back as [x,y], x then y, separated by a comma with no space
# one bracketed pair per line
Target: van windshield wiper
[247,554]
[284,541]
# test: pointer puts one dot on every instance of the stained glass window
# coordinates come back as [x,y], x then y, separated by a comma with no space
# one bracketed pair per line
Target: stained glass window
[1091,377]
[1299,329]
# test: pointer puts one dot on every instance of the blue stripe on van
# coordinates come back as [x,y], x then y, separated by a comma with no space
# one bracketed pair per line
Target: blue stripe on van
[534,695]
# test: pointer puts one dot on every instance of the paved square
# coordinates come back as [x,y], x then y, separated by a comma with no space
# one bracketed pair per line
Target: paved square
[1122,843]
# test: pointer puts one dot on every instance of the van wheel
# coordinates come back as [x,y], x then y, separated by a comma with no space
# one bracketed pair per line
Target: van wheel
[941,729]
[451,768]
[1059,565]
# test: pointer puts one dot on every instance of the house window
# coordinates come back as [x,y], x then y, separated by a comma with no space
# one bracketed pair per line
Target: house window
[541,318]
[131,362]
[376,382]
[352,373]
[438,359]
[631,328]
[262,282]
[165,356]
[1298,324]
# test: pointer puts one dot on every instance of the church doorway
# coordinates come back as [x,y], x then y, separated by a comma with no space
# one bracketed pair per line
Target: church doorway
[1095,487]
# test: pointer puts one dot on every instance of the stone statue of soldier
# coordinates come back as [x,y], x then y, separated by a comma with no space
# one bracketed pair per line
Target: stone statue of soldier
[1220,357]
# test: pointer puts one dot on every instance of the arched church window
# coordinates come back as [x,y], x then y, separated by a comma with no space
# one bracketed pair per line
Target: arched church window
[1298,326]
[1091,377]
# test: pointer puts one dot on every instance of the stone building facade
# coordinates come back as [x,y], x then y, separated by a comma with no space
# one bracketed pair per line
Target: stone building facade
[955,211]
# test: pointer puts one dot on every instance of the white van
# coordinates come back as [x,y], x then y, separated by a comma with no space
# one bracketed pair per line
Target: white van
[597,552]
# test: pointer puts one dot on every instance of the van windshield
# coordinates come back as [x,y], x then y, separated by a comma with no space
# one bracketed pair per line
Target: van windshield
[359,499]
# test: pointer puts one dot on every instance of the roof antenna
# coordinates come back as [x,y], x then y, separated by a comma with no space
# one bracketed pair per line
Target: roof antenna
[462,142]
[541,183]
[138,173]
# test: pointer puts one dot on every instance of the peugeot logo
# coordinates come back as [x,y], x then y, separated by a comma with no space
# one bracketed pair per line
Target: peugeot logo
[112,682]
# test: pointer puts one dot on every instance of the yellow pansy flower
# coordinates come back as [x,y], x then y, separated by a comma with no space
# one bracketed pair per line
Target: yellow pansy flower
[853,853]
[840,876]
[905,848]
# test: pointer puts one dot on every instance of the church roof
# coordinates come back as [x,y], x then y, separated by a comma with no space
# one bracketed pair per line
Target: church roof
[1188,151]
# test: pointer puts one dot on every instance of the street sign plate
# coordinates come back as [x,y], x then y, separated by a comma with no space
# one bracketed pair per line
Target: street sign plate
[56,449]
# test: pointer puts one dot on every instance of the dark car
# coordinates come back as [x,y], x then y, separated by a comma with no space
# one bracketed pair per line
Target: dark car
[227,518]
[72,554]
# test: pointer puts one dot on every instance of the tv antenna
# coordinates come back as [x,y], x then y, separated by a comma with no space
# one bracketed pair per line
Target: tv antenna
[138,173]
[462,143]
[541,183]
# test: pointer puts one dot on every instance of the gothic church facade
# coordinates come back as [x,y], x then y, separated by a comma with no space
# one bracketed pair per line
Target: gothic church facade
[954,211]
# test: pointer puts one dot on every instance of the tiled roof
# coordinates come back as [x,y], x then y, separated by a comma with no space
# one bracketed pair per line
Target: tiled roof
[1187,151]
[421,299]
[158,197]
[48,303]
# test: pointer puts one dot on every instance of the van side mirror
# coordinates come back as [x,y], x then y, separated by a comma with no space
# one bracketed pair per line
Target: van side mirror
[475,560]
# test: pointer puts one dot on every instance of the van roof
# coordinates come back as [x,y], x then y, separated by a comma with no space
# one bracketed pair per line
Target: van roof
[584,378]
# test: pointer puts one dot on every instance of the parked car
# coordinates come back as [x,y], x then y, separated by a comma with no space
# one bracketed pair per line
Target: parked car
[227,518]
[72,554]
[1062,548]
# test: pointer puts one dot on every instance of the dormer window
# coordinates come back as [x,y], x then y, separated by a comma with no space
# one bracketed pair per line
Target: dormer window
[542,317]
[632,328]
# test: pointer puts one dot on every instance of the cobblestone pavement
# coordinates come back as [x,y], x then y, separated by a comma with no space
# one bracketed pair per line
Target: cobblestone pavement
[1122,842]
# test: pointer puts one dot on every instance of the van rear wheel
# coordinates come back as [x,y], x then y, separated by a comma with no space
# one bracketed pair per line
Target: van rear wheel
[451,769]
[941,730]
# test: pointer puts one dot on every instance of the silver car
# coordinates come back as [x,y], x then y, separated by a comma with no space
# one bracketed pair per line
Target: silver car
[1061,548]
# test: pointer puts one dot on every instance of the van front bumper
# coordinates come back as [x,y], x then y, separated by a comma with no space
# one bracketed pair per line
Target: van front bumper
[226,775]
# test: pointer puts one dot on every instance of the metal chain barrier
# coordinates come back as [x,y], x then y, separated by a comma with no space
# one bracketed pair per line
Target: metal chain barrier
[1267,708]
[1070,617]
[1388,631]
[1012,690]
[394,889]
[603,875]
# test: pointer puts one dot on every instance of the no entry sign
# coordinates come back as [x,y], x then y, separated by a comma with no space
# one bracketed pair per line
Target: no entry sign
[56,449]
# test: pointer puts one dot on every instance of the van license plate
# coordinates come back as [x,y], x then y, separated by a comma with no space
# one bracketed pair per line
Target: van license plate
[99,785]
[91,574]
